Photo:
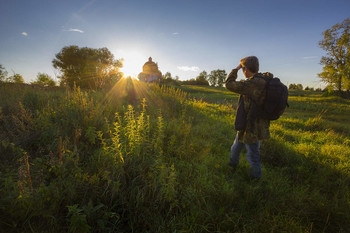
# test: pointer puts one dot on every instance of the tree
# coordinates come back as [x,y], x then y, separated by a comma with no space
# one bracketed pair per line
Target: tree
[167,79]
[16,78]
[294,86]
[336,43]
[202,77]
[87,67]
[3,73]
[212,79]
[167,75]
[217,77]
[44,80]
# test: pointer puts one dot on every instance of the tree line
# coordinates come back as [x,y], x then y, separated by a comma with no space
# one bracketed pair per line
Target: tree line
[299,86]
[42,79]
[215,78]
[85,67]
[15,78]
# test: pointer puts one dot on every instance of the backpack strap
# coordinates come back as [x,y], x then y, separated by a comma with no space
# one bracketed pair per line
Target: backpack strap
[267,77]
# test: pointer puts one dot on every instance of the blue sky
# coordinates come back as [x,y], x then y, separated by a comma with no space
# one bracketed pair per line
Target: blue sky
[183,37]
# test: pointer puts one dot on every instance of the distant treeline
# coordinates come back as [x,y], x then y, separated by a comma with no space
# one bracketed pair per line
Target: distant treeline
[216,78]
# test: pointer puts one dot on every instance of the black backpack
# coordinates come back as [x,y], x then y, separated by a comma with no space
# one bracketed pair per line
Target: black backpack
[276,99]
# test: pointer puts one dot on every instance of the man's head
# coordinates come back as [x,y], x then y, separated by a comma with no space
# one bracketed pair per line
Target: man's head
[250,66]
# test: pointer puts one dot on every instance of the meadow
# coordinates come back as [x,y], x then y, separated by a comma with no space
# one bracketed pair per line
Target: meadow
[150,158]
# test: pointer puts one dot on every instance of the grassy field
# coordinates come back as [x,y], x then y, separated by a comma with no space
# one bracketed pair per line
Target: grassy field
[145,158]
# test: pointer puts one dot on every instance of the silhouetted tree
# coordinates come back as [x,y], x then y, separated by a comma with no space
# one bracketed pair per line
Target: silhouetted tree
[44,80]
[87,67]
[291,86]
[336,63]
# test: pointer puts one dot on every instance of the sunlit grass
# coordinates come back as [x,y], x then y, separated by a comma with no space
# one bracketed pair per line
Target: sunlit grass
[144,157]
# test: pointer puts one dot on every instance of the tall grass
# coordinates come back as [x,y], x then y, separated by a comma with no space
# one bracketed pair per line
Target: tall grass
[149,158]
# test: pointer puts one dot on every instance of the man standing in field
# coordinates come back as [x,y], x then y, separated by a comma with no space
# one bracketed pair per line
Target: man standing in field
[251,128]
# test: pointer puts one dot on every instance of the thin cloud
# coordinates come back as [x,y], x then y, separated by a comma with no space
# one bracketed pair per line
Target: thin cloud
[175,33]
[24,34]
[74,30]
[188,68]
[309,58]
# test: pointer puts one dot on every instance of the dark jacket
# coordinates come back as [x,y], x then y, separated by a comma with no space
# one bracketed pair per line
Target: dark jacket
[253,93]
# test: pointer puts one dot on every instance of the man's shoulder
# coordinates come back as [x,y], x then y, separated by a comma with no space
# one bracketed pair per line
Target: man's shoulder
[264,76]
[258,79]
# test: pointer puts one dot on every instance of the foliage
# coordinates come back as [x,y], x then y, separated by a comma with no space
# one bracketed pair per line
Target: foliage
[336,43]
[167,75]
[151,158]
[16,78]
[44,80]
[199,82]
[169,80]
[293,86]
[87,67]
[202,77]
[307,88]
[217,77]
[3,73]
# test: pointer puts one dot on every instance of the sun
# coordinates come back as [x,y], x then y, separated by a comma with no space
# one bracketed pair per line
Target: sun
[133,60]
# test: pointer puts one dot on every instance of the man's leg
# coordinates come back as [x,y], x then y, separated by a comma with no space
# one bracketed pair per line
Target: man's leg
[253,156]
[235,152]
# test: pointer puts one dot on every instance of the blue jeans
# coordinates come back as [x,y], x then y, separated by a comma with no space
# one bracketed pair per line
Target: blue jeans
[253,156]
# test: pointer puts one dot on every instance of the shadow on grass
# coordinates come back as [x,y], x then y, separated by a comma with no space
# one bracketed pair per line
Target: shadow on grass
[320,191]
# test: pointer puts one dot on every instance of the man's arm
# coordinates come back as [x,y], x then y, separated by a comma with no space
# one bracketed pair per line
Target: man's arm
[233,75]
[242,87]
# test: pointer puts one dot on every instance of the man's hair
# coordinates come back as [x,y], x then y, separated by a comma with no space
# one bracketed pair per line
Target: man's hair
[251,63]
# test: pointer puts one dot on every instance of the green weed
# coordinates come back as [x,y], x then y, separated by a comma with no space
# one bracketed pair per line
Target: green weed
[151,158]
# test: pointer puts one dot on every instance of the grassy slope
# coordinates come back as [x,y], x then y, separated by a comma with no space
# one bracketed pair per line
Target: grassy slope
[164,168]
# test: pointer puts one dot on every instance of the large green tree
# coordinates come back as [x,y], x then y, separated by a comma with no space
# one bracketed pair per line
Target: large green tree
[87,67]
[336,70]
[217,77]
